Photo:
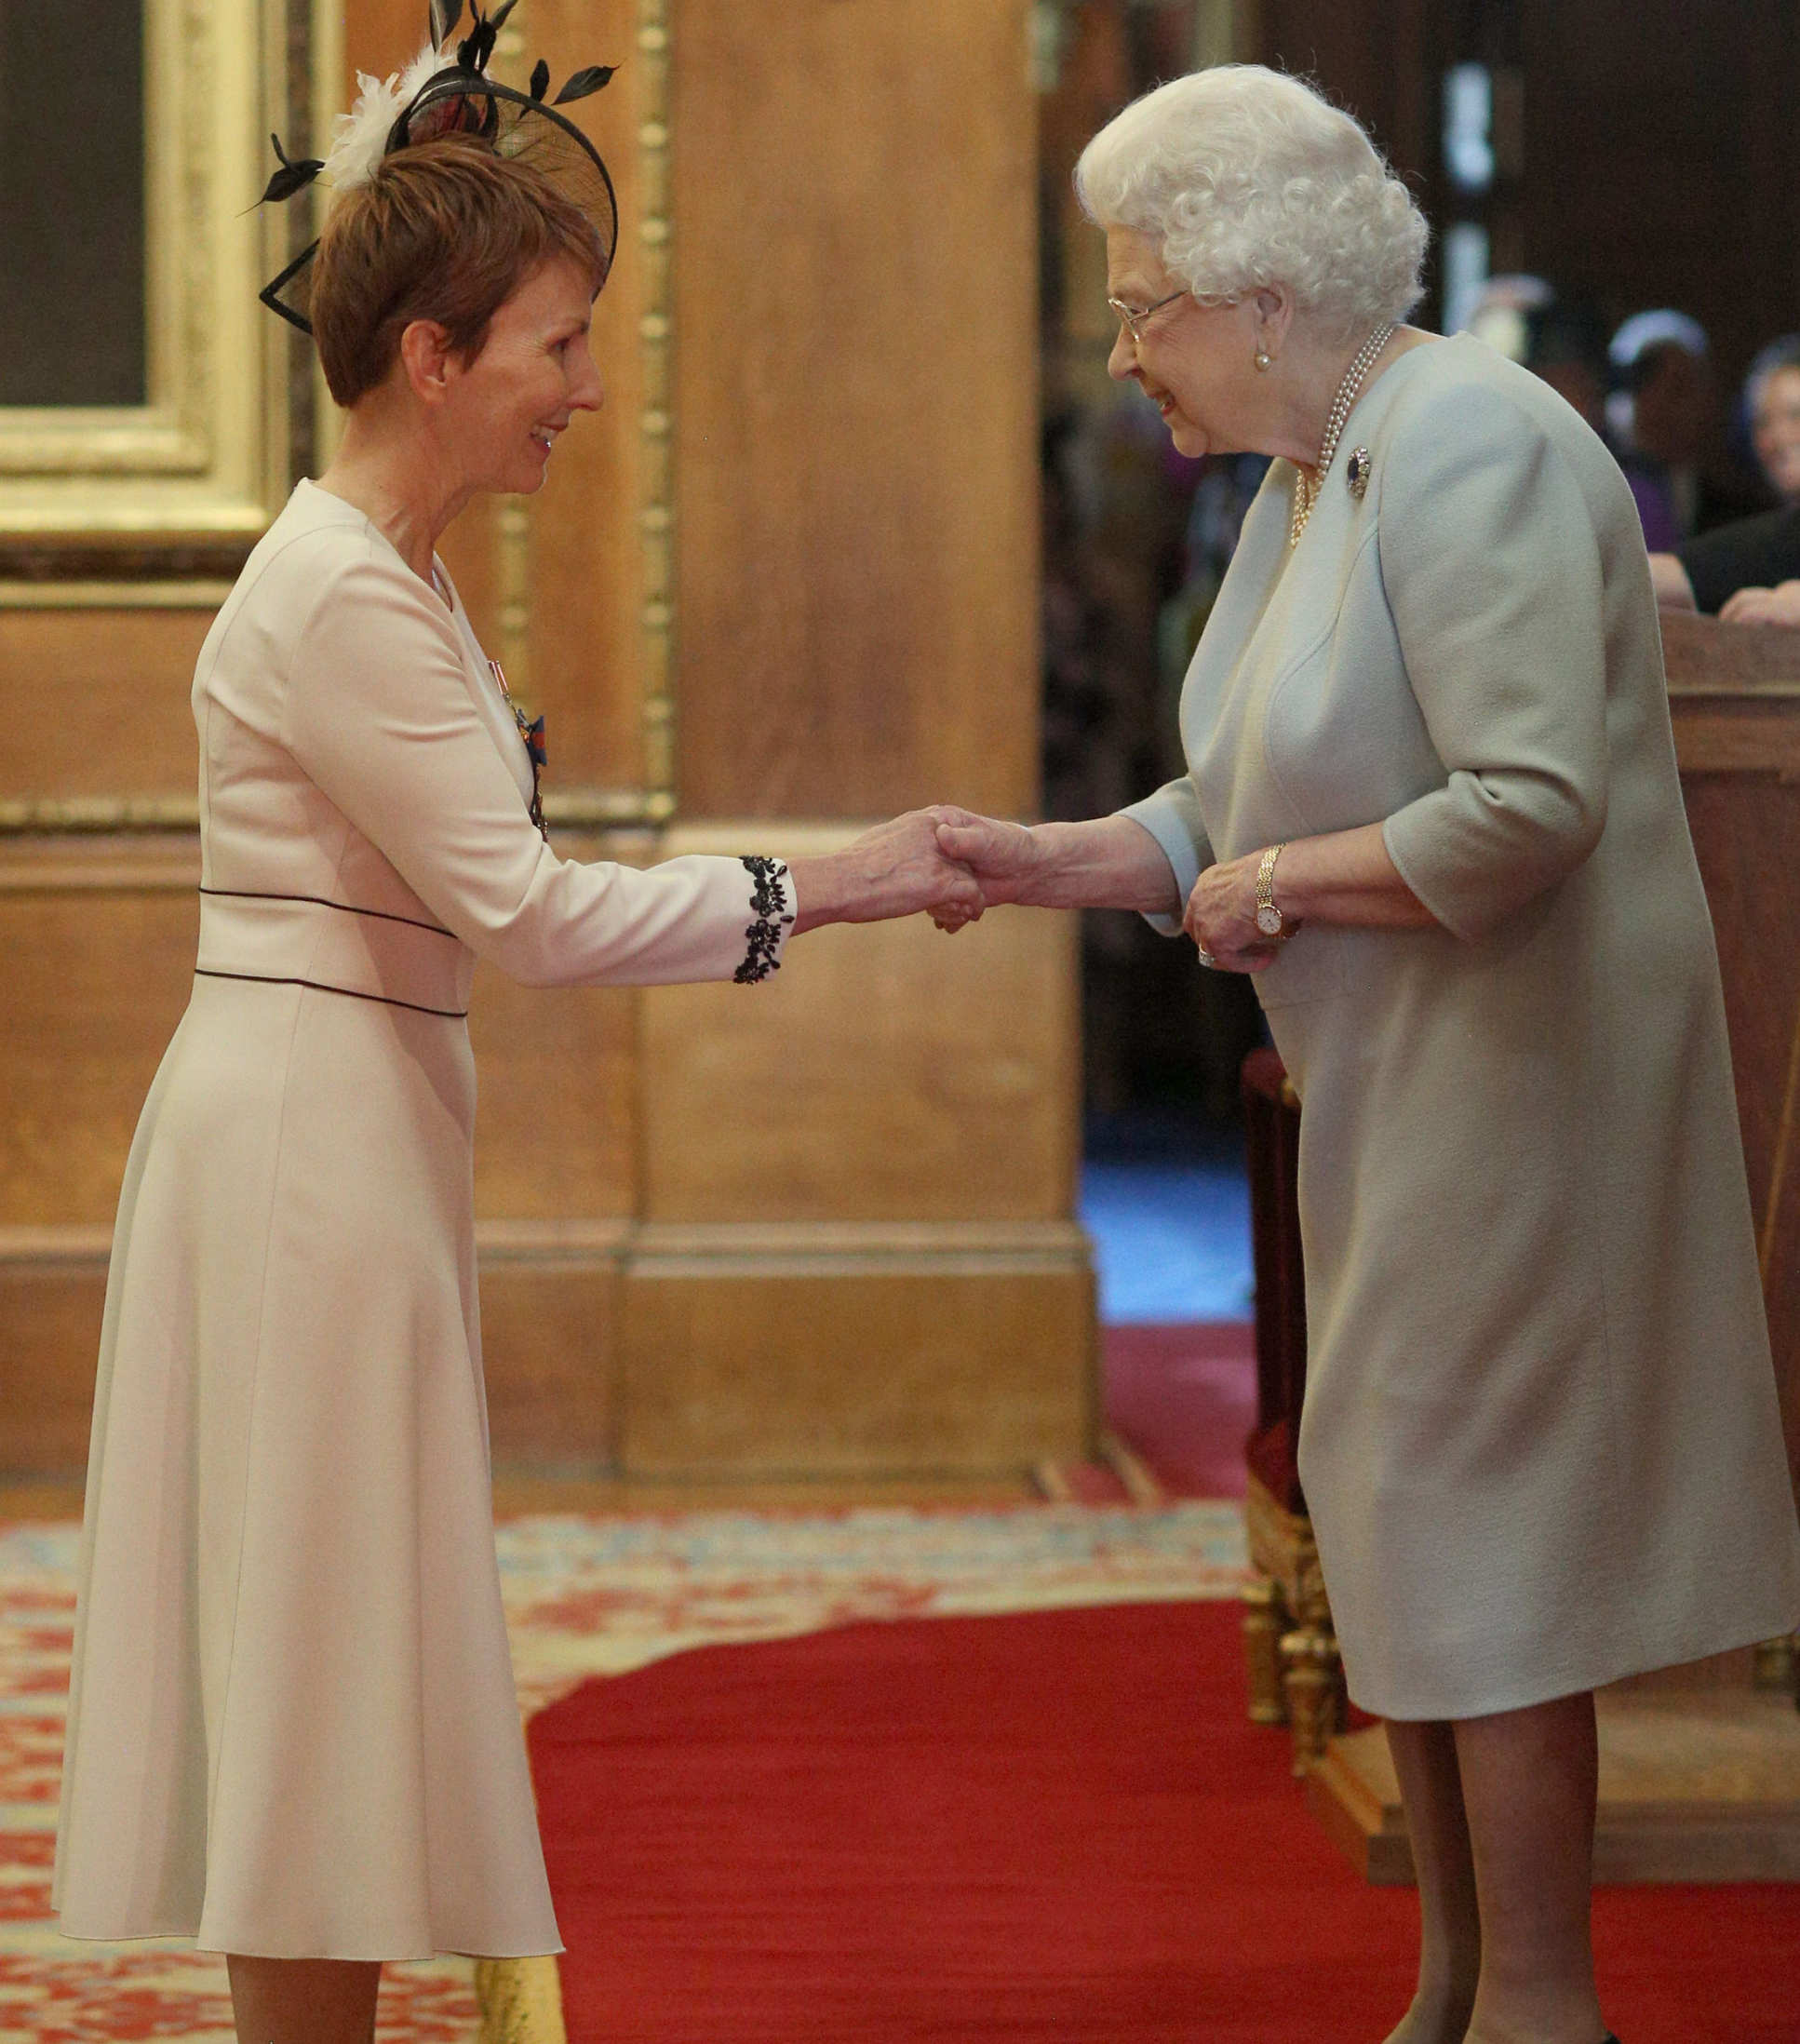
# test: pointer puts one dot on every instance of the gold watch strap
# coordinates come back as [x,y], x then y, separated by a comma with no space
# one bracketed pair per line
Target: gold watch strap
[1265,876]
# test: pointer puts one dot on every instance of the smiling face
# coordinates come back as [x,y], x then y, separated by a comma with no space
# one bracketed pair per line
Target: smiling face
[1195,363]
[506,408]
[1776,430]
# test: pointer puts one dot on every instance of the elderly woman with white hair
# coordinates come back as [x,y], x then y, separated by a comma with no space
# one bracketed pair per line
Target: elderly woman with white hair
[1431,804]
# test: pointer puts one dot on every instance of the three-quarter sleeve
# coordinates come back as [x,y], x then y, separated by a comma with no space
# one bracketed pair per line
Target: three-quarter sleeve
[1172,818]
[1491,564]
[378,714]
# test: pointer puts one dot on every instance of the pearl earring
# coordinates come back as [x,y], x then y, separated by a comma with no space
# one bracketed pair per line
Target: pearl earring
[1263,358]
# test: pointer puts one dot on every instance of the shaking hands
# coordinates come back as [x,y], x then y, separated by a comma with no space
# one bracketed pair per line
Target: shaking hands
[895,869]
[945,861]
[999,857]
[953,864]
[1108,862]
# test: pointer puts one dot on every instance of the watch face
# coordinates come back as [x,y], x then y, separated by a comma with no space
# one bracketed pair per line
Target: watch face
[1268,920]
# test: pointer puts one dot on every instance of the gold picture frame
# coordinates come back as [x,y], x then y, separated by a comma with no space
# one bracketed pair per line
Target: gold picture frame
[178,489]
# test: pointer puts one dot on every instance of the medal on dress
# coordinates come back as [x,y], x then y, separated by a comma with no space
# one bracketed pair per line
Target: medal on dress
[531,730]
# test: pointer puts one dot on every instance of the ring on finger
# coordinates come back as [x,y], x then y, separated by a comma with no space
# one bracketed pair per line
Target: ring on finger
[1206,957]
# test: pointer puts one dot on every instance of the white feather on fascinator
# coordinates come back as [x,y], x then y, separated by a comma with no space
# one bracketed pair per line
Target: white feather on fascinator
[447,91]
[360,139]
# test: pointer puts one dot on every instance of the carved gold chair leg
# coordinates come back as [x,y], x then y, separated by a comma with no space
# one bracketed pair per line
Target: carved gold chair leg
[1776,1665]
[1312,1676]
[1266,1620]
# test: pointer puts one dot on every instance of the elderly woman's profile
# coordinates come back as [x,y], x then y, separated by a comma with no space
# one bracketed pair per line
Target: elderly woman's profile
[292,1730]
[1431,804]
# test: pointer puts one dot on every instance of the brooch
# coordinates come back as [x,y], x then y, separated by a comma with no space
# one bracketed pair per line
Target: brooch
[1357,474]
[531,730]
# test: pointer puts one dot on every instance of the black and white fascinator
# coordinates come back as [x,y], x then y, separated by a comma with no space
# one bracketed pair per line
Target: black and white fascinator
[441,94]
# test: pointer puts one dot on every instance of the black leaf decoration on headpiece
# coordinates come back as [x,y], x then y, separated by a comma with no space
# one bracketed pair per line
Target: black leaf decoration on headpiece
[459,99]
[292,176]
[478,45]
[582,83]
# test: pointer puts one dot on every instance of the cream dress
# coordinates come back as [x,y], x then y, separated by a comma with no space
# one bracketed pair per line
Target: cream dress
[293,1726]
[1540,1445]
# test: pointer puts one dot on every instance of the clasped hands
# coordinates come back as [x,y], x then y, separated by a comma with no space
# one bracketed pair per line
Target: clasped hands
[949,862]
[954,865]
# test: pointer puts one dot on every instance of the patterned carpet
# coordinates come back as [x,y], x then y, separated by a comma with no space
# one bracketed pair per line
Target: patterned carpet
[585,1596]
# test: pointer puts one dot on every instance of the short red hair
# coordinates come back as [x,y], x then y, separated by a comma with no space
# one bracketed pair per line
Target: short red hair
[445,230]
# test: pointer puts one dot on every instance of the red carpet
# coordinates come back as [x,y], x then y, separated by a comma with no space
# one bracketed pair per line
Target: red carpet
[1055,1827]
[1183,1398]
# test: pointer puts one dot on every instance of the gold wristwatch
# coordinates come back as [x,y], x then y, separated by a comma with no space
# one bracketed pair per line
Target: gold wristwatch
[1269,919]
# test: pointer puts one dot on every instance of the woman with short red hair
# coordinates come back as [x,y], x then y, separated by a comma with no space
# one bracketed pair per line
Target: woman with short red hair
[292,1731]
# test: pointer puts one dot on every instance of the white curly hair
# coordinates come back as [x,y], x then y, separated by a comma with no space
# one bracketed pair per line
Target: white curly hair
[1245,178]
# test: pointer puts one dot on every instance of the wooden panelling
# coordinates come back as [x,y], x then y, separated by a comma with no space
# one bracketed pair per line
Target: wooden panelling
[379,36]
[52,1287]
[1746,829]
[550,1315]
[549,1321]
[847,1364]
[1729,665]
[856,611]
[888,1072]
[1376,58]
[470,550]
[96,702]
[556,1124]
[98,937]
[98,942]
[1738,748]
[723,1350]
[886,1133]
[1662,160]
[856,407]
[586,633]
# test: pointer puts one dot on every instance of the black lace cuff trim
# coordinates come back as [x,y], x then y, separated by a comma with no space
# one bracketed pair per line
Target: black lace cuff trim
[769,903]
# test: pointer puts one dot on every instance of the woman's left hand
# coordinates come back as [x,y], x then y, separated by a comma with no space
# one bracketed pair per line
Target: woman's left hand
[1221,917]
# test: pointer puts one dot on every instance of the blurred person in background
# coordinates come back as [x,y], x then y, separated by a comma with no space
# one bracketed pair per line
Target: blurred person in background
[1771,412]
[1748,571]
[1563,343]
[1498,312]
[1664,414]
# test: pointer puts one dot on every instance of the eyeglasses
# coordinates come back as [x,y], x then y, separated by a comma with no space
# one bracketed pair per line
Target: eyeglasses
[1132,317]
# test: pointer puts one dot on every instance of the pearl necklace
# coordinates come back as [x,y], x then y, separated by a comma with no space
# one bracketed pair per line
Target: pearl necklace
[1306,494]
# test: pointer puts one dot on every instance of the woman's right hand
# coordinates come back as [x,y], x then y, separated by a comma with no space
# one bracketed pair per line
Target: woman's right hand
[895,869]
[1000,856]
[1107,862]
